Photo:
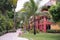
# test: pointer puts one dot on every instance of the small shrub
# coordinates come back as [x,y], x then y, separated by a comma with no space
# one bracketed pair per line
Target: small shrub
[32,31]
[57,31]
[51,31]
[37,31]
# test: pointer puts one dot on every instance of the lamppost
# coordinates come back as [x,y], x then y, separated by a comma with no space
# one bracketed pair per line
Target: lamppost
[13,9]
[14,19]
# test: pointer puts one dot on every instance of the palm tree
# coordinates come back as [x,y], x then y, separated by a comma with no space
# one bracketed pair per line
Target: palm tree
[30,8]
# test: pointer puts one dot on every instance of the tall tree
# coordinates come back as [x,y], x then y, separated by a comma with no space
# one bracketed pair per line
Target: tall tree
[55,12]
[30,8]
[7,13]
[7,5]
[4,5]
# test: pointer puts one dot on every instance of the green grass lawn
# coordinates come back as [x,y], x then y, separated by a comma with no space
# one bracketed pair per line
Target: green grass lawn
[42,36]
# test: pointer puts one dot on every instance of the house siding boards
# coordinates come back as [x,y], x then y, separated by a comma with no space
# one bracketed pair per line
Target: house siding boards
[51,2]
[55,27]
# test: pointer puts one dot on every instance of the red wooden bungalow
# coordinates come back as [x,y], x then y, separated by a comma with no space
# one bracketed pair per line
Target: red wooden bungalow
[42,23]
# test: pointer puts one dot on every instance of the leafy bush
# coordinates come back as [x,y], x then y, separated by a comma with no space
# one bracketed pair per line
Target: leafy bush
[5,23]
[2,22]
[10,24]
[37,31]
[51,31]
[32,31]
[57,31]
[10,14]
[55,12]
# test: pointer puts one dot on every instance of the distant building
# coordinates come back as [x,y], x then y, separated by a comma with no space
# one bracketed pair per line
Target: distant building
[51,2]
[42,22]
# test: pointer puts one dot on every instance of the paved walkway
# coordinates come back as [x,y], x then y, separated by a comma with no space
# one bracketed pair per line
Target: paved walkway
[11,36]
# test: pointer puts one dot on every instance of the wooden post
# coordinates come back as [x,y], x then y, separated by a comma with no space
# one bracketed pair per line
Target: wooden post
[44,24]
[34,26]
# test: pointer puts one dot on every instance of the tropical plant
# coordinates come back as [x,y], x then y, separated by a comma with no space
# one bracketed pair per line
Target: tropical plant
[6,14]
[30,9]
[55,12]
[5,23]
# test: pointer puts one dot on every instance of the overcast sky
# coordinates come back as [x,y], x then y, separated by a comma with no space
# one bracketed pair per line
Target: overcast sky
[21,2]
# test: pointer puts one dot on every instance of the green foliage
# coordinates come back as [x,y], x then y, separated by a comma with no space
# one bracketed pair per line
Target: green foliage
[28,10]
[14,3]
[10,24]
[55,12]
[6,14]
[34,6]
[10,14]
[5,5]
[32,31]
[5,22]
[18,22]
[37,31]
[51,31]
